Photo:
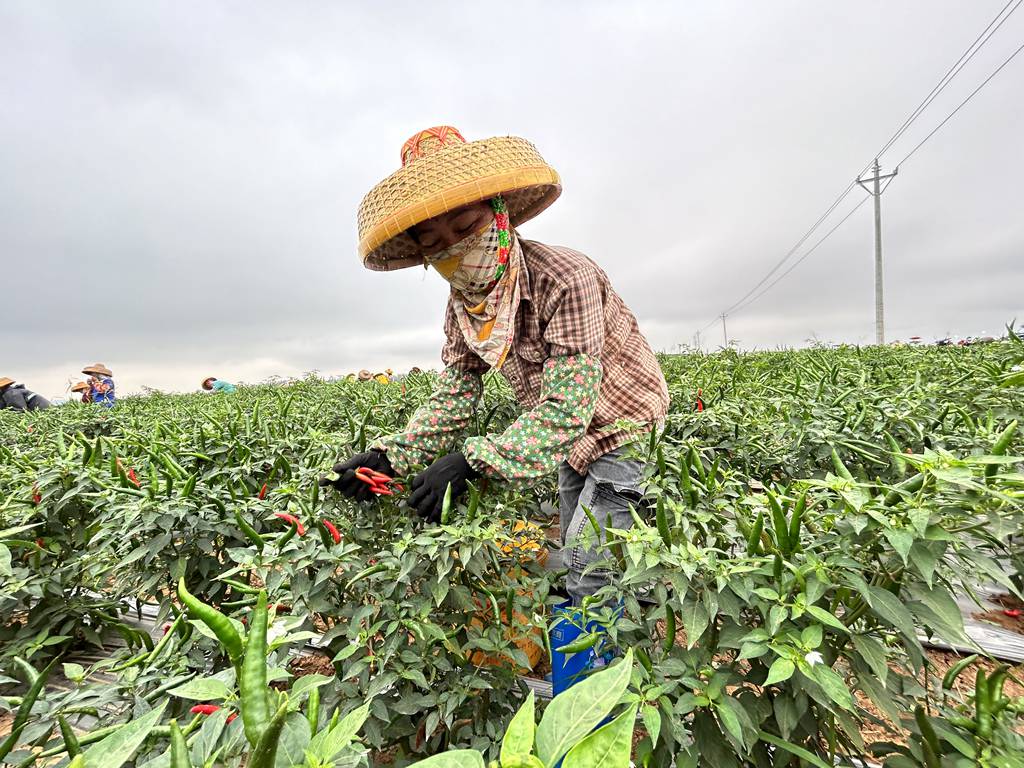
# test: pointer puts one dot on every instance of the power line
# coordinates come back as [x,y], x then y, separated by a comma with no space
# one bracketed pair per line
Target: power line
[799,261]
[944,81]
[986,34]
[948,117]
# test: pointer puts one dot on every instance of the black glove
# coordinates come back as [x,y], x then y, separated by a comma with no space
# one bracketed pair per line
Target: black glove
[350,485]
[429,486]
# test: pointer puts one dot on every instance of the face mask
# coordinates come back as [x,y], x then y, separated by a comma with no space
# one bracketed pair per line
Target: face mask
[470,264]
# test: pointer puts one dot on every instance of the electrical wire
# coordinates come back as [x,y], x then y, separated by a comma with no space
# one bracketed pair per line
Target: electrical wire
[969,53]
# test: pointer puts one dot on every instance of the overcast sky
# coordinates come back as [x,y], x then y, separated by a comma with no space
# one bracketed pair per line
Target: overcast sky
[179,180]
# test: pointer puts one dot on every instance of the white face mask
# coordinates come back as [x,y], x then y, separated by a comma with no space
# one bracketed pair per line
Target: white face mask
[470,264]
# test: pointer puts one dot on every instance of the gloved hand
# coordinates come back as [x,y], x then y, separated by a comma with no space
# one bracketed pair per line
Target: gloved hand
[350,485]
[429,486]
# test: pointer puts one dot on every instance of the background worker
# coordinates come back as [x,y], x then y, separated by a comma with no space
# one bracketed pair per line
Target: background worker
[81,388]
[546,317]
[101,385]
[213,384]
[16,397]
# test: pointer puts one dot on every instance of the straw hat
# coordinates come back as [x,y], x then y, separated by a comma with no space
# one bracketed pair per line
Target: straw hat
[5,382]
[440,172]
[80,387]
[365,375]
[98,369]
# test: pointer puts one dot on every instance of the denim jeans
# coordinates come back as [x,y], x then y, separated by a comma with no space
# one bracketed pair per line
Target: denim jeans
[611,484]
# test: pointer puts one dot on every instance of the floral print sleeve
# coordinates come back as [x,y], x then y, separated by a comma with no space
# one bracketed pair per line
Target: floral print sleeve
[539,439]
[438,424]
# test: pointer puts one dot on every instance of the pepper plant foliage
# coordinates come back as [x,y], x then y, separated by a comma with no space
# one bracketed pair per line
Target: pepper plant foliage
[806,528]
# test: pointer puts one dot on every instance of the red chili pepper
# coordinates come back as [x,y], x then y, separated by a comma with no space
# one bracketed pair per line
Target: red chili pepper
[332,530]
[379,482]
[1013,613]
[232,716]
[167,628]
[204,709]
[700,401]
[37,497]
[40,543]
[279,608]
[263,491]
[133,478]
[291,519]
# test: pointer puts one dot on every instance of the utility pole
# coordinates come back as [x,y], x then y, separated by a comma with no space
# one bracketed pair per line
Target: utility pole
[876,192]
[725,335]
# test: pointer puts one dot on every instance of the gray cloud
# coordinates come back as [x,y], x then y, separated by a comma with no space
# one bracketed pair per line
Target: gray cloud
[178,181]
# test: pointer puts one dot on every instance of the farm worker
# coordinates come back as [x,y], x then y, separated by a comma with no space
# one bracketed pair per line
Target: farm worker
[365,375]
[15,397]
[213,384]
[83,388]
[545,316]
[101,384]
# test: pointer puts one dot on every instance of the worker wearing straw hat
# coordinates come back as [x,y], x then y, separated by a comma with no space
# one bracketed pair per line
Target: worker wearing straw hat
[213,384]
[546,317]
[16,397]
[81,388]
[101,385]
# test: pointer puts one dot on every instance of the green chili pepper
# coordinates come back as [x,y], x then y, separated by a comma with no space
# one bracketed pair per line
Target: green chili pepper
[313,710]
[190,486]
[446,505]
[580,644]
[510,602]
[666,534]
[754,540]
[645,660]
[697,463]
[252,682]
[365,573]
[911,485]
[794,522]
[687,484]
[179,750]
[929,741]
[661,461]
[779,522]
[777,569]
[71,744]
[954,672]
[287,535]
[21,716]
[982,705]
[899,464]
[218,623]
[839,467]
[249,532]
[265,753]
[670,629]
[1001,445]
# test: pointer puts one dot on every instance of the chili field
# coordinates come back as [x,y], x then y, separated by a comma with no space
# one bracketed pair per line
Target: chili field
[812,519]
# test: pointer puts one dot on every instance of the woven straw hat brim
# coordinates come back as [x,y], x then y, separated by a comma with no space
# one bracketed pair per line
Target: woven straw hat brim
[5,382]
[80,387]
[453,176]
[98,370]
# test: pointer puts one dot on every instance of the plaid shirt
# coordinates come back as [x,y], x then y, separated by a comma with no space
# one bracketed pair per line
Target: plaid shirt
[568,308]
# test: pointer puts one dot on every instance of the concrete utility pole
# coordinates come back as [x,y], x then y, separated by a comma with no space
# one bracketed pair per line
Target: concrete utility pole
[725,335]
[876,192]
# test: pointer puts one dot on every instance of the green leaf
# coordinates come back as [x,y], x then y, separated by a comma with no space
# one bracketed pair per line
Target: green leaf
[873,653]
[901,540]
[115,750]
[307,683]
[458,758]
[518,741]
[811,636]
[833,686]
[607,747]
[825,617]
[695,620]
[651,716]
[326,745]
[202,689]
[780,671]
[574,713]
[74,672]
[793,749]
[889,608]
